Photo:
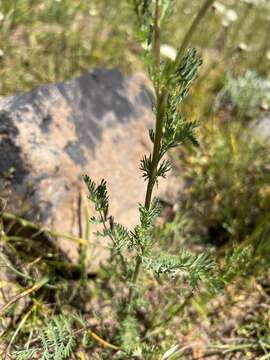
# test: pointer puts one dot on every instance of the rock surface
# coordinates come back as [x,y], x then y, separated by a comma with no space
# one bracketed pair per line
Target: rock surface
[95,124]
[261,127]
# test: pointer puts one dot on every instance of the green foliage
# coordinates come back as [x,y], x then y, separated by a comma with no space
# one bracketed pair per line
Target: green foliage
[54,40]
[55,341]
[145,14]
[187,266]
[130,336]
[176,129]
[226,206]
[25,354]
[257,327]
[98,195]
[149,216]
[237,261]
[137,295]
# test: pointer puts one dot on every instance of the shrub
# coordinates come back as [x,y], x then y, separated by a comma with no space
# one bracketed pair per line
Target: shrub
[249,94]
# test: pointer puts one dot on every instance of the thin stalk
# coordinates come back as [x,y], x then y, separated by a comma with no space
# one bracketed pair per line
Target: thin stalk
[103,342]
[161,97]
[156,149]
[151,181]
[155,328]
[241,24]
[175,312]
[203,10]
[157,141]
[118,252]
[18,329]
[2,208]
[25,293]
[265,46]
[12,268]
[39,229]
[157,42]
[217,349]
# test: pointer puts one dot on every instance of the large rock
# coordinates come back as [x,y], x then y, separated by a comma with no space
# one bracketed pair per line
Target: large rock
[95,124]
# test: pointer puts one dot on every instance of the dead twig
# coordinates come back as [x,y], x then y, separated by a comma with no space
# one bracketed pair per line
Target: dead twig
[26,292]
[40,229]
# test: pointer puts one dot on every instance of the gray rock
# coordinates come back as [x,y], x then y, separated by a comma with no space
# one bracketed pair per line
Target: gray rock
[95,124]
[261,127]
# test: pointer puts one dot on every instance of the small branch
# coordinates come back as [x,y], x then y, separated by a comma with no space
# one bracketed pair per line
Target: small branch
[40,229]
[122,260]
[20,325]
[79,214]
[219,349]
[26,292]
[175,312]
[12,268]
[2,207]
[82,356]
[155,327]
[161,100]
[103,342]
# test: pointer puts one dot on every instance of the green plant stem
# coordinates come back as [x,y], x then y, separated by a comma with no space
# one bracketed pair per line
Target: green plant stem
[118,252]
[156,149]
[151,181]
[157,42]
[160,110]
[161,98]
[155,328]
[150,186]
[157,141]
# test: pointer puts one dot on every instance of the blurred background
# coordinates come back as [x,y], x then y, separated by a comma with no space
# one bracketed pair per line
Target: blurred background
[47,41]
